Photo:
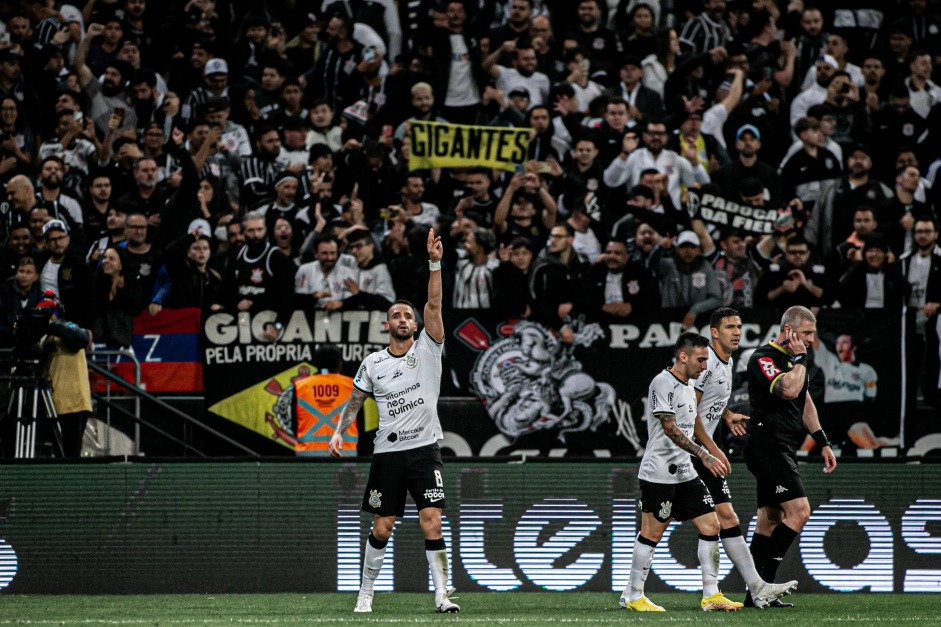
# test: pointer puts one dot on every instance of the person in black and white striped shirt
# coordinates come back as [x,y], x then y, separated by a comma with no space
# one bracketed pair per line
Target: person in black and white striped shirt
[707,30]
[473,276]
[259,172]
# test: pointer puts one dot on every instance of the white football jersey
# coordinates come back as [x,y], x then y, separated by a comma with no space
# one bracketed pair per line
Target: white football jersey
[406,389]
[664,461]
[845,381]
[716,387]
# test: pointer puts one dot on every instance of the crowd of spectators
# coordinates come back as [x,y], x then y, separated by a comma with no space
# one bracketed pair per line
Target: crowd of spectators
[248,155]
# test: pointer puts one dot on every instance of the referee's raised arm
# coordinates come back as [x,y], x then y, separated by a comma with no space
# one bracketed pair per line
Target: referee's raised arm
[434,323]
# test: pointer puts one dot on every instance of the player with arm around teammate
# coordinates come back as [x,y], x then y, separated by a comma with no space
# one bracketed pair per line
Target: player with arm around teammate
[781,411]
[713,390]
[669,485]
[405,381]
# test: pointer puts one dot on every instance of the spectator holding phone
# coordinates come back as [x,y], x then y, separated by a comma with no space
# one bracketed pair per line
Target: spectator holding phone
[108,95]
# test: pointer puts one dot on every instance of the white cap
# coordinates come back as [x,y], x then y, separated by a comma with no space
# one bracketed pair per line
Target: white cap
[687,237]
[216,66]
[830,60]
[55,225]
[199,226]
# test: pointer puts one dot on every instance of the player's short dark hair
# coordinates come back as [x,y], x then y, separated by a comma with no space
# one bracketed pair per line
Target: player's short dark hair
[401,301]
[715,320]
[687,342]
[328,357]
[795,315]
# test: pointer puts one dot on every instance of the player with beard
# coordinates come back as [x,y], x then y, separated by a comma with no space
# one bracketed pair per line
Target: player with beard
[260,278]
[405,381]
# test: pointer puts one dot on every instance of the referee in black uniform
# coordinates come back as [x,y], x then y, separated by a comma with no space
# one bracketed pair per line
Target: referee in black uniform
[781,410]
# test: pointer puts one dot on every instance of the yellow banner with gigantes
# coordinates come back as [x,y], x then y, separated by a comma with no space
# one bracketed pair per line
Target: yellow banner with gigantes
[437,145]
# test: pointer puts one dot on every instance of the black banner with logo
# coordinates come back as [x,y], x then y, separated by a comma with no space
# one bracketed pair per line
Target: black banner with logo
[514,387]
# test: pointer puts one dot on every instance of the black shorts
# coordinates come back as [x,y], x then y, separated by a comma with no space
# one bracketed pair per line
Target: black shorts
[718,487]
[775,471]
[680,501]
[416,471]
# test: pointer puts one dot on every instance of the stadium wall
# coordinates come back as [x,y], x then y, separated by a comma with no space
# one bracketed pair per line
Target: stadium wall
[277,526]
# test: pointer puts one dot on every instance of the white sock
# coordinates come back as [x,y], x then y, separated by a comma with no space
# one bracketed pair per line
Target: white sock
[438,561]
[738,552]
[640,566]
[709,562]
[372,564]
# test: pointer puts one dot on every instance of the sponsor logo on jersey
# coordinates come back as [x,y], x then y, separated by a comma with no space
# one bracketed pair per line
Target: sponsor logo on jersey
[780,489]
[410,434]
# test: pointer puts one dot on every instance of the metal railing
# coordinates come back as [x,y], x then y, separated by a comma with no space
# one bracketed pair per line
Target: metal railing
[108,353]
[140,393]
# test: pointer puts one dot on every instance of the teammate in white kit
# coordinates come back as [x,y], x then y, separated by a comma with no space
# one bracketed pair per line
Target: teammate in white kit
[670,487]
[713,390]
[405,381]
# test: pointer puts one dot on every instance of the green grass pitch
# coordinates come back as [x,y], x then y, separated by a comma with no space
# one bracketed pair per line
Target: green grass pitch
[527,608]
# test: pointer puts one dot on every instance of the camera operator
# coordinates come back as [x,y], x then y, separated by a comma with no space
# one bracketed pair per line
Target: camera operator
[57,351]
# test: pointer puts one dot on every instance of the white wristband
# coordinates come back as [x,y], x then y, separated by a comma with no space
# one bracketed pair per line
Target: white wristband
[434,266]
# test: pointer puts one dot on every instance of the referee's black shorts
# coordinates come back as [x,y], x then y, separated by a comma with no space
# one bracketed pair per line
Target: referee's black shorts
[417,471]
[775,470]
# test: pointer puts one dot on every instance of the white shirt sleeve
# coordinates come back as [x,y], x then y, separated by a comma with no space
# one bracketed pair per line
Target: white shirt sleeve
[617,173]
